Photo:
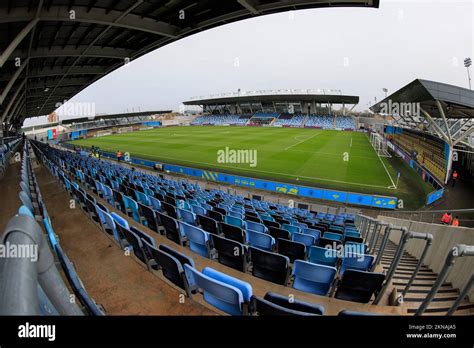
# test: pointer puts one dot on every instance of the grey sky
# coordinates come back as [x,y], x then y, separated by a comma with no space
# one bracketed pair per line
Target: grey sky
[359,51]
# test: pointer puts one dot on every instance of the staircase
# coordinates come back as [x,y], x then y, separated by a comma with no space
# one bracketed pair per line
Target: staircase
[421,286]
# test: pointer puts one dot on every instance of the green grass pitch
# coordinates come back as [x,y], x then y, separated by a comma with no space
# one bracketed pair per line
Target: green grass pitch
[323,158]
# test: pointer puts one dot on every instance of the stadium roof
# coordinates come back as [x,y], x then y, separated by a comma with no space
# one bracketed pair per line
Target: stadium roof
[285,95]
[53,49]
[438,108]
[109,117]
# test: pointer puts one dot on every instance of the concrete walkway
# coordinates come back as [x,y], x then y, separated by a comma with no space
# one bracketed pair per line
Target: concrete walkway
[117,282]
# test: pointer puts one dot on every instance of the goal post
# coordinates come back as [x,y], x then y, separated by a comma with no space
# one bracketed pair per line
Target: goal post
[379,143]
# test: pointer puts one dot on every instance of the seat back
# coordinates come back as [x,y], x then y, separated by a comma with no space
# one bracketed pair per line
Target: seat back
[208,224]
[186,216]
[359,286]
[269,266]
[149,215]
[231,220]
[230,252]
[260,240]
[313,232]
[254,226]
[220,294]
[323,256]
[361,262]
[306,239]
[171,228]
[331,235]
[232,232]
[279,233]
[295,305]
[171,267]
[313,278]
[291,228]
[198,239]
[293,250]
[215,215]
[182,258]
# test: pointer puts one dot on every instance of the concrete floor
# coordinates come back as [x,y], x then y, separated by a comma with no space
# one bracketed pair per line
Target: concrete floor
[117,282]
[9,190]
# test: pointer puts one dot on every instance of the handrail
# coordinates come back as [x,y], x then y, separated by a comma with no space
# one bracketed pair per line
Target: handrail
[405,237]
[21,275]
[459,250]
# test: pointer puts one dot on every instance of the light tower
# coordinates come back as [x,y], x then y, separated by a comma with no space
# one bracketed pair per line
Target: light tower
[467,64]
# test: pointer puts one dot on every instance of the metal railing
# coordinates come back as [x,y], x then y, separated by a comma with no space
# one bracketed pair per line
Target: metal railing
[460,250]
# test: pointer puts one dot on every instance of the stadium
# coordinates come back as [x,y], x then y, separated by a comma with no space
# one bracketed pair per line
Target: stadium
[251,203]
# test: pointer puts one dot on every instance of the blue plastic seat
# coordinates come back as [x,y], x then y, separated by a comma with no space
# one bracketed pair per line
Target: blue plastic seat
[142,198]
[131,207]
[357,248]
[306,239]
[334,236]
[224,292]
[24,210]
[109,226]
[198,210]
[231,220]
[260,240]
[155,203]
[291,228]
[313,232]
[198,239]
[313,278]
[255,226]
[323,256]
[359,262]
[186,216]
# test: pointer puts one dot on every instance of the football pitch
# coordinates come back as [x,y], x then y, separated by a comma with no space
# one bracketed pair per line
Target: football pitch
[324,158]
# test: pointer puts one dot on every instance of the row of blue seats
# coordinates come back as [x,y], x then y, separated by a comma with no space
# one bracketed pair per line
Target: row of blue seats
[34,207]
[200,241]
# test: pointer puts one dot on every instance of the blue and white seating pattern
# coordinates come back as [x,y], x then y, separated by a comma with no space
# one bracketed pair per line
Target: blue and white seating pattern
[186,214]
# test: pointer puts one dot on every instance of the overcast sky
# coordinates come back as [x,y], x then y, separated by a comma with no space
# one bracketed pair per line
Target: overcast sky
[357,50]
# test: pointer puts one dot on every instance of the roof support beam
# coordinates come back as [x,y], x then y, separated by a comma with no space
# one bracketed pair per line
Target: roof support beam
[20,102]
[438,130]
[91,45]
[96,16]
[12,81]
[10,104]
[464,134]
[443,115]
[249,5]
[16,41]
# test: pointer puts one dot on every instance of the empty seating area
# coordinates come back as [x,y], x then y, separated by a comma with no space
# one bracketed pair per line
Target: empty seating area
[316,253]
[289,120]
[429,153]
[279,120]
[320,121]
[6,152]
[33,221]
[345,123]
[217,120]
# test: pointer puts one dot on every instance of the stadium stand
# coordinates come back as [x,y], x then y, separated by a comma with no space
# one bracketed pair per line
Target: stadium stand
[288,120]
[429,152]
[29,226]
[289,263]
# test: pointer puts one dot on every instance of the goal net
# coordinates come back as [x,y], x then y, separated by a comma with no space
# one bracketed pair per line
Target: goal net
[379,143]
[103,133]
[125,130]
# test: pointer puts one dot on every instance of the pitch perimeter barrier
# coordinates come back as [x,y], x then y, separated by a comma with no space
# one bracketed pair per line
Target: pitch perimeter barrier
[373,201]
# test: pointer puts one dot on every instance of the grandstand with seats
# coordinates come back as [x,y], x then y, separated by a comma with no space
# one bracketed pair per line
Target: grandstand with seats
[115,235]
